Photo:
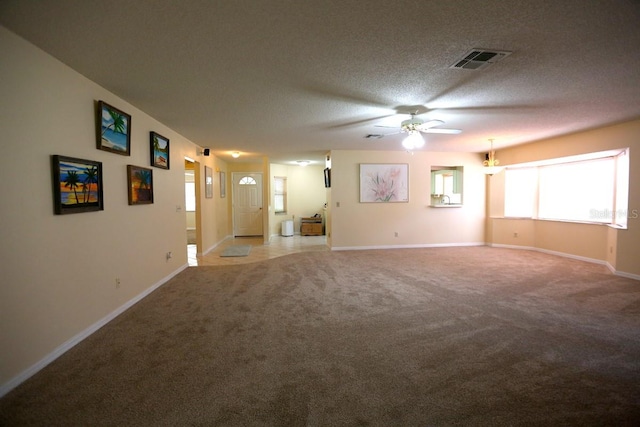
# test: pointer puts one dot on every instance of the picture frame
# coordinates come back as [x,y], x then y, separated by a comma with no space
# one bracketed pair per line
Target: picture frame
[77,185]
[223,185]
[159,149]
[208,182]
[384,182]
[113,129]
[139,185]
[327,178]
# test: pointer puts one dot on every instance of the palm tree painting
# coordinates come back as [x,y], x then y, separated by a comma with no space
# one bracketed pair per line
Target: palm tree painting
[159,151]
[77,185]
[114,129]
[140,184]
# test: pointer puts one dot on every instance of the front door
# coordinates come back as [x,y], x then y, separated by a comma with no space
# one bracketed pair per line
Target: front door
[247,204]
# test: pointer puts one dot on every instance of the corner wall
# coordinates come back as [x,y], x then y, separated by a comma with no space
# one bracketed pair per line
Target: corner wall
[619,248]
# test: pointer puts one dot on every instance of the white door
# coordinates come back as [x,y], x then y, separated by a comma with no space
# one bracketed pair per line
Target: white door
[247,204]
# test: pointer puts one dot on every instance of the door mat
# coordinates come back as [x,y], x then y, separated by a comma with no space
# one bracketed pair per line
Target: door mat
[236,250]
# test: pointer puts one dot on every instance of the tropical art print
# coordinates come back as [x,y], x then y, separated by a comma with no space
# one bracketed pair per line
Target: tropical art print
[77,185]
[384,183]
[159,151]
[140,184]
[114,129]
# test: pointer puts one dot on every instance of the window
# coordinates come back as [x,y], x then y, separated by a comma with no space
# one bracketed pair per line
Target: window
[247,180]
[584,190]
[280,194]
[577,191]
[520,188]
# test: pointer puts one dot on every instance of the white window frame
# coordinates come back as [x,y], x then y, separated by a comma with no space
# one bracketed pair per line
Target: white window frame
[280,191]
[613,213]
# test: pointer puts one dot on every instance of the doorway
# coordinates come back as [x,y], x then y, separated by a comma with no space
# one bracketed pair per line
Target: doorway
[192,207]
[247,204]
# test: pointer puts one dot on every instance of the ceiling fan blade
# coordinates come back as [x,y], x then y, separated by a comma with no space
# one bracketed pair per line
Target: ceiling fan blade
[430,124]
[445,131]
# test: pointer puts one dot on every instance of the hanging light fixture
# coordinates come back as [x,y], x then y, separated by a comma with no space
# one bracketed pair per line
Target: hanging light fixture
[491,163]
[413,140]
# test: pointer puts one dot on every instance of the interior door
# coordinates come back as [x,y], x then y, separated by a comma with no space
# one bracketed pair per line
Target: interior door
[247,204]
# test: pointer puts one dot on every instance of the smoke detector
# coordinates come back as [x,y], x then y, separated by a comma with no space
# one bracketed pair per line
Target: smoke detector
[478,59]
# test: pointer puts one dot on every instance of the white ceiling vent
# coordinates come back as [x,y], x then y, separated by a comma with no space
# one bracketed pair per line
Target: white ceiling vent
[477,59]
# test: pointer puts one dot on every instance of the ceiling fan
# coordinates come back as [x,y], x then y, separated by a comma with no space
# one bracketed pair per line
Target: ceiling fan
[416,124]
[413,128]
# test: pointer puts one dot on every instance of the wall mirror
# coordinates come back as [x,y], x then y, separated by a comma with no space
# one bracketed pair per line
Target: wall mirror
[446,186]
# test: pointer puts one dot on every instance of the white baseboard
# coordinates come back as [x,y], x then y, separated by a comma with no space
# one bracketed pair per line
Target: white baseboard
[421,245]
[63,348]
[566,255]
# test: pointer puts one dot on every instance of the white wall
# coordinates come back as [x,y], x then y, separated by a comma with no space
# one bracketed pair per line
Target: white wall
[59,271]
[354,224]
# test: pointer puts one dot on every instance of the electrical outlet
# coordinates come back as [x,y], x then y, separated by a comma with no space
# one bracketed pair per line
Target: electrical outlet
[117,282]
[169,255]
[515,234]
[337,204]
[395,234]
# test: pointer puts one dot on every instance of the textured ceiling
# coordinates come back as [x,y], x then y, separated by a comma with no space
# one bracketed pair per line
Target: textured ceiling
[295,79]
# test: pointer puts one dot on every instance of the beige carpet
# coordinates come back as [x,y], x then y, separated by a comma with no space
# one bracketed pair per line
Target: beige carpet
[420,337]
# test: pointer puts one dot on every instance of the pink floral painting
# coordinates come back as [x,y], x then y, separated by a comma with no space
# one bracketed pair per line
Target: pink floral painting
[384,183]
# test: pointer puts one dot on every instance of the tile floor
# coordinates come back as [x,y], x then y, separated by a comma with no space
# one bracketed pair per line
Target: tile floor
[278,246]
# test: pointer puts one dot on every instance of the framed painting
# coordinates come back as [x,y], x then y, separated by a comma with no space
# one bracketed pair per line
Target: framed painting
[208,182]
[77,185]
[159,150]
[113,129]
[140,185]
[223,185]
[384,183]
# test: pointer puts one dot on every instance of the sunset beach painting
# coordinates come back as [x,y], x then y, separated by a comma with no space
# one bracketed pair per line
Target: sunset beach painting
[114,129]
[77,185]
[159,151]
[140,185]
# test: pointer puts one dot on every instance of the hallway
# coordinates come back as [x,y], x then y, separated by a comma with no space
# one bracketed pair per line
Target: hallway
[278,246]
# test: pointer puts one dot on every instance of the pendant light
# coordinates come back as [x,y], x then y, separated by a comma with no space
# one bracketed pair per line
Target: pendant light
[491,163]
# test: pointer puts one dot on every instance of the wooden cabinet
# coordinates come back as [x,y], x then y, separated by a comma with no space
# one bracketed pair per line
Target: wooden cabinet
[311,226]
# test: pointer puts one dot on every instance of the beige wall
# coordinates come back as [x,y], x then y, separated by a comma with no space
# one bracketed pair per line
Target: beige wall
[354,224]
[59,271]
[619,248]
[306,194]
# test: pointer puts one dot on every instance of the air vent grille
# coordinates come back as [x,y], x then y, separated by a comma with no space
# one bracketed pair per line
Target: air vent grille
[478,59]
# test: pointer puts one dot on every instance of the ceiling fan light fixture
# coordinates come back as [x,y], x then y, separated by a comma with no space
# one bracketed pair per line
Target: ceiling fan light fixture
[413,141]
[411,125]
